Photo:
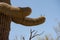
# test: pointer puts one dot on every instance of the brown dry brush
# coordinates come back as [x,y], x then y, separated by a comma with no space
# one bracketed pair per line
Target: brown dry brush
[8,13]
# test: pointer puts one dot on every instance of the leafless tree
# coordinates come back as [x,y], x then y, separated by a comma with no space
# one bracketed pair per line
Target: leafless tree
[33,33]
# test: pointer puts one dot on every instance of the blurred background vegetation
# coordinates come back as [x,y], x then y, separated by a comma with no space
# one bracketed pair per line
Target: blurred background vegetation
[35,34]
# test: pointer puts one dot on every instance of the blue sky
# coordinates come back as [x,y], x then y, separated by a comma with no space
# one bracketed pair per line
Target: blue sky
[48,8]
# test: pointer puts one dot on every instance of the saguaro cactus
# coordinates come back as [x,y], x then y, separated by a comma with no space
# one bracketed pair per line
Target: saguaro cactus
[18,15]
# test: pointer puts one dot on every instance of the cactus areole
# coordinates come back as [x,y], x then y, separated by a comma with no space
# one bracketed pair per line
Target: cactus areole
[18,15]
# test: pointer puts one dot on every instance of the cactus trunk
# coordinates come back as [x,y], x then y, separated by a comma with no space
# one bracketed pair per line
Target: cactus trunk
[4,27]
[4,24]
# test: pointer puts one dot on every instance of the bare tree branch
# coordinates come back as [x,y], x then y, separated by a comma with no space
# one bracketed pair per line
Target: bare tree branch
[23,38]
[35,34]
[32,30]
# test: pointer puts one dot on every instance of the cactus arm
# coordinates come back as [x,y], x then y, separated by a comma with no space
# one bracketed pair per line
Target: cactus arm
[29,21]
[19,14]
[14,11]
